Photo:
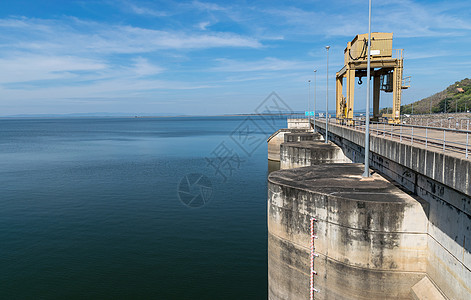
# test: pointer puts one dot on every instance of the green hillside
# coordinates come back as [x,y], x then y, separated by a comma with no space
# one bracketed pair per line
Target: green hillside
[456,97]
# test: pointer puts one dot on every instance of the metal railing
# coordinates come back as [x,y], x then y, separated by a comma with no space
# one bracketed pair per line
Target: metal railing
[442,139]
[457,121]
[298,116]
[406,82]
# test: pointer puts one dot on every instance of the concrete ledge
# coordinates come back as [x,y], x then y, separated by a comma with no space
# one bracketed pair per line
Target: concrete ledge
[308,153]
[302,136]
[298,124]
[276,139]
[426,290]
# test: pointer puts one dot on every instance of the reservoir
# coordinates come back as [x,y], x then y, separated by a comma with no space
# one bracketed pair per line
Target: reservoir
[96,208]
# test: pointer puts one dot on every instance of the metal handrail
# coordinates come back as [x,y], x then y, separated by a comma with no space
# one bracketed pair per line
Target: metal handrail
[426,127]
[457,120]
[406,81]
[390,131]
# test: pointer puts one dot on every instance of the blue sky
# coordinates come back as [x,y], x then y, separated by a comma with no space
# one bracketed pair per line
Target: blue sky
[199,57]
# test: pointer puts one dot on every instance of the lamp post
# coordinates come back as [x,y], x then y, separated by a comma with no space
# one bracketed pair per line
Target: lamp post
[309,105]
[367,128]
[315,83]
[327,99]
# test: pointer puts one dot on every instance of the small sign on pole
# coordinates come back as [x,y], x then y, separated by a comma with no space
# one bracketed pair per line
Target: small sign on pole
[312,272]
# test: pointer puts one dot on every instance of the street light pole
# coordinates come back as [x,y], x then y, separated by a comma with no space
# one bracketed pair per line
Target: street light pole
[315,83]
[327,99]
[367,129]
[309,105]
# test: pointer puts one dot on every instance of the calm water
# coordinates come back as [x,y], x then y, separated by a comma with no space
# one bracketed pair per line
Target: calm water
[89,208]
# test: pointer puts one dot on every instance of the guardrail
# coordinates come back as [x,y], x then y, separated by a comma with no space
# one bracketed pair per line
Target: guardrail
[439,120]
[443,139]
[298,116]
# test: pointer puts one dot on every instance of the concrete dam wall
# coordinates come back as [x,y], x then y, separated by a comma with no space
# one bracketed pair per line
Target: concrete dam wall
[371,236]
[298,130]
[278,138]
[444,183]
[375,241]
[308,153]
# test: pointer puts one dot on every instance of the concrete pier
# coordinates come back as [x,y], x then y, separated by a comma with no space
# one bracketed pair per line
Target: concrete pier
[298,130]
[302,136]
[276,139]
[299,123]
[372,236]
[308,153]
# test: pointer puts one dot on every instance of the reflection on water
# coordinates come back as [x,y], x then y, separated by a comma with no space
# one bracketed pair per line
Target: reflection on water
[273,166]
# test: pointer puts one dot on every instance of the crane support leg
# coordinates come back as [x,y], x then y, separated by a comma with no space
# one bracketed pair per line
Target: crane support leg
[340,107]
[376,87]
[350,93]
[397,89]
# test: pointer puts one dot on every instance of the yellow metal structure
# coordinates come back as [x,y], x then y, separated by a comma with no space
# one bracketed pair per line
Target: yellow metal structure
[386,69]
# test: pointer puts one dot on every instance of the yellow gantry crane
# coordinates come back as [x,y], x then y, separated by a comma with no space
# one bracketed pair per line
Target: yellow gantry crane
[386,68]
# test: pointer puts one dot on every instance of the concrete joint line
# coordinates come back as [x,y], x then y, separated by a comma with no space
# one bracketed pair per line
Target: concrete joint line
[462,264]
[291,242]
[358,229]
[343,263]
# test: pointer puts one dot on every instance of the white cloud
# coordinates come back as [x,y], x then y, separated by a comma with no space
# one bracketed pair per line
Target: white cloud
[203,25]
[145,11]
[413,55]
[266,64]
[104,89]
[208,6]
[405,18]
[142,67]
[49,35]
[412,19]
[24,67]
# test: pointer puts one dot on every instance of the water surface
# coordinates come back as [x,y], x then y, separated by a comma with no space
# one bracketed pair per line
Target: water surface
[89,208]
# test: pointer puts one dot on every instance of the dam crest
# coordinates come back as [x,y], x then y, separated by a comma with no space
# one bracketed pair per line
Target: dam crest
[402,233]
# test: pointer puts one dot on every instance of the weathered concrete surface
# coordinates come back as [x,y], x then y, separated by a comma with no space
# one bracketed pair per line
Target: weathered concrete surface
[308,153]
[426,290]
[372,236]
[274,143]
[444,182]
[298,124]
[277,138]
[302,136]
